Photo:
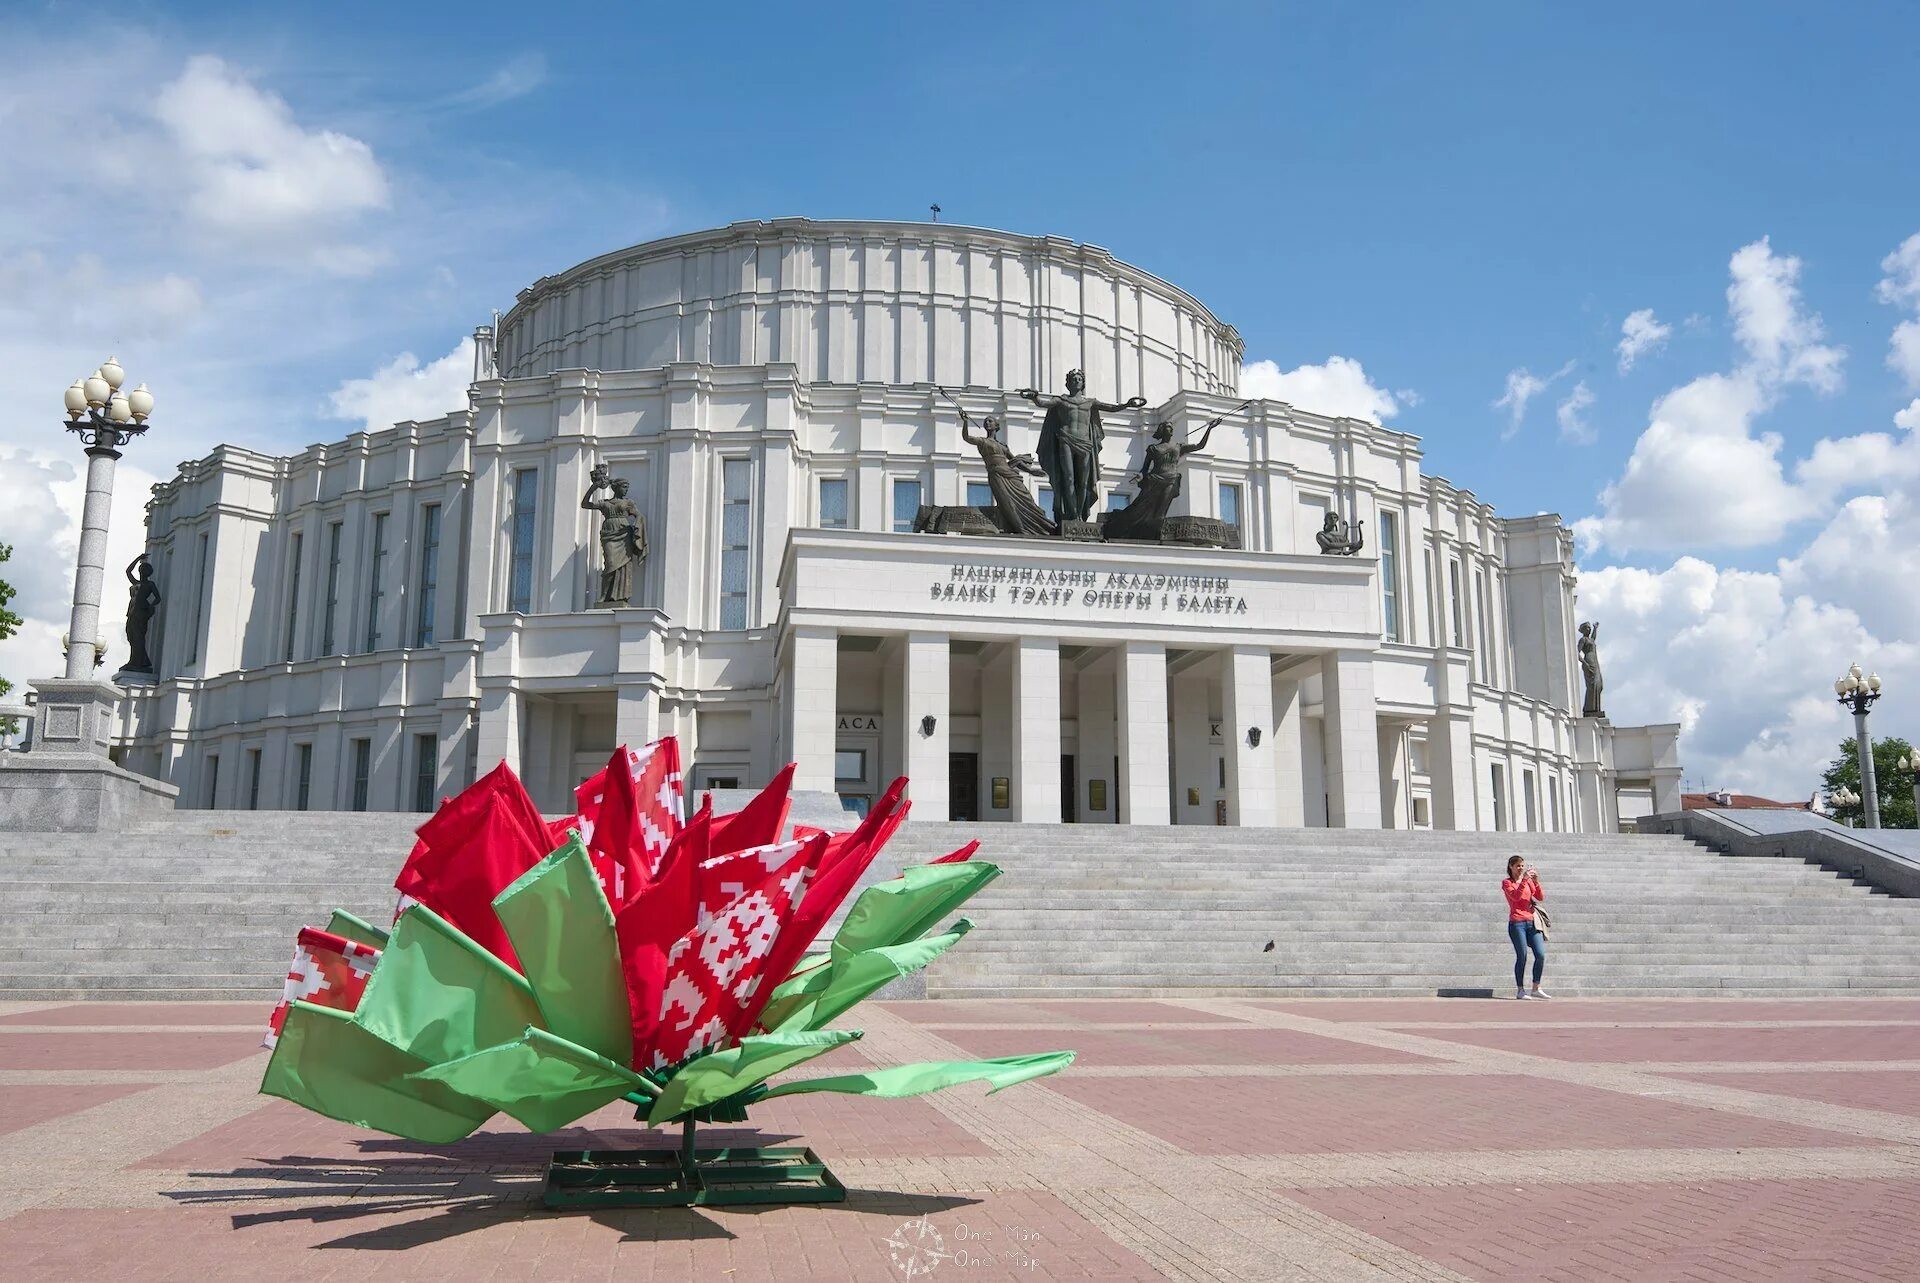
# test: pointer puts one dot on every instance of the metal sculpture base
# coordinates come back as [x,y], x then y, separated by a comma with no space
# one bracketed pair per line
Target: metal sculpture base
[689,1177]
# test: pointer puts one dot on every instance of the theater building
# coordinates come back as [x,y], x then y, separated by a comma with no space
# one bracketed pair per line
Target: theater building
[367,623]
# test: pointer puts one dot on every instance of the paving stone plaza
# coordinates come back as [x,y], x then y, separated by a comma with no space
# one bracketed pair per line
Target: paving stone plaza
[1195,1139]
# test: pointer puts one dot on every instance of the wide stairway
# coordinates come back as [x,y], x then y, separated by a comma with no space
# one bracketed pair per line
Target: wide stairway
[205,905]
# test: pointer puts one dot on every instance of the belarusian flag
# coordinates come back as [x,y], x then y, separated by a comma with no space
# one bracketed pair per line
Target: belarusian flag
[629,814]
[760,821]
[328,970]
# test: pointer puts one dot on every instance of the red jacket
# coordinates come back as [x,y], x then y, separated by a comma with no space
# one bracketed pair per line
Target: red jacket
[1521,897]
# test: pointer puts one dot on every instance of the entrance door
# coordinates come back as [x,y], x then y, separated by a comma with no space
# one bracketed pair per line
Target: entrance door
[1069,786]
[963,786]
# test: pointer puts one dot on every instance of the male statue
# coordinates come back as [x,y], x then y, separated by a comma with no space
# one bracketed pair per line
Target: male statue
[1070,440]
[623,537]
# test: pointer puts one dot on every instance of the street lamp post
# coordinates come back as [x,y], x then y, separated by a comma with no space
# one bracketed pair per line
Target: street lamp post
[1843,798]
[105,418]
[1859,694]
[1910,766]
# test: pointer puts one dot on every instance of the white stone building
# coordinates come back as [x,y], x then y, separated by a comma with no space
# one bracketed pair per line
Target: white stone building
[369,622]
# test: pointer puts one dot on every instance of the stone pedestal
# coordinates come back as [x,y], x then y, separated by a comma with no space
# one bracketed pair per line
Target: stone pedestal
[73,715]
[65,784]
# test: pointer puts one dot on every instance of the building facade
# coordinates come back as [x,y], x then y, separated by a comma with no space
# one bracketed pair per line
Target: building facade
[371,622]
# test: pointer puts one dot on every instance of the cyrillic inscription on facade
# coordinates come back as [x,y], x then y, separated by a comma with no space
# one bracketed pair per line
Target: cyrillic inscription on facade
[1016,588]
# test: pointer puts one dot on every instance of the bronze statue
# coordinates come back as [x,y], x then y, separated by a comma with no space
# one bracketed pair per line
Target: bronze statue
[143,597]
[1158,482]
[1013,504]
[1339,538]
[1070,441]
[623,537]
[1589,648]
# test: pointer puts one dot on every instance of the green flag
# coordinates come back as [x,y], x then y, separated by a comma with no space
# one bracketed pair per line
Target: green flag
[910,905]
[820,996]
[752,1060]
[932,1075]
[330,1065]
[557,917]
[539,1079]
[439,996]
[356,929]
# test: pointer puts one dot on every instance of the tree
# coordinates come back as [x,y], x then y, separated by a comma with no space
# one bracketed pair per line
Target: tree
[1896,790]
[9,625]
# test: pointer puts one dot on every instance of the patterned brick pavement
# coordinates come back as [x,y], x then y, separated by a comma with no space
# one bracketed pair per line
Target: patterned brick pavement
[1203,1139]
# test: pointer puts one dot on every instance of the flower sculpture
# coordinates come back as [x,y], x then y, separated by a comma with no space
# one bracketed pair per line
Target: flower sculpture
[546,970]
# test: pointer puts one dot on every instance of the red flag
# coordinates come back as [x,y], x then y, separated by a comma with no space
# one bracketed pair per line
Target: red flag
[328,971]
[649,924]
[471,850]
[759,822]
[716,975]
[961,856]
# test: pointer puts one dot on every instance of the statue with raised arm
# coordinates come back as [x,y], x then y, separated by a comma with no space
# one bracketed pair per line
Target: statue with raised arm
[1589,648]
[143,598]
[623,537]
[1158,483]
[1070,441]
[1013,504]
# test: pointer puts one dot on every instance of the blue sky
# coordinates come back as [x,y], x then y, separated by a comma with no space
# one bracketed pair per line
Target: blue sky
[1459,199]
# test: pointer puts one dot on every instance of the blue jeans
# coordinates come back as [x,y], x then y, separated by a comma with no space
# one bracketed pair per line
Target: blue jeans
[1527,936]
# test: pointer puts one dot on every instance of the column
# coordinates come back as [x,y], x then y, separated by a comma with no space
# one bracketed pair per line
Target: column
[636,716]
[1189,709]
[812,699]
[1246,688]
[923,752]
[1352,747]
[1450,745]
[1036,730]
[1098,742]
[1288,765]
[499,732]
[1141,687]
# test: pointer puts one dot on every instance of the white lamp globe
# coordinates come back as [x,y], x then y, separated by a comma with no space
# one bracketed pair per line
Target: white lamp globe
[97,389]
[1840,686]
[142,402]
[1873,682]
[113,374]
[77,399]
[118,410]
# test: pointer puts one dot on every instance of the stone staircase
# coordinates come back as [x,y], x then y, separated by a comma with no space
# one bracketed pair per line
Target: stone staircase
[205,904]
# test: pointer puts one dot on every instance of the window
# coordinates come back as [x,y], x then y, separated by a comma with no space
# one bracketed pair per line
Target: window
[1453,594]
[1488,673]
[736,540]
[199,603]
[376,581]
[1390,575]
[1115,501]
[293,595]
[333,588]
[833,503]
[362,763]
[1422,813]
[426,770]
[429,574]
[213,777]
[1417,759]
[1533,814]
[1230,503]
[1045,500]
[303,776]
[520,532]
[979,494]
[850,764]
[253,779]
[1499,799]
[906,504]
[1553,796]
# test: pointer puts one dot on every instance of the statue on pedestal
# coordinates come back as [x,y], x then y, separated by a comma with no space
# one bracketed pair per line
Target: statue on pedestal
[143,597]
[1159,482]
[1339,538]
[1070,440]
[1589,649]
[623,537]
[1013,504]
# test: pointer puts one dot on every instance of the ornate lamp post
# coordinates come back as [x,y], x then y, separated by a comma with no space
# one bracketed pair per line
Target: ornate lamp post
[1910,767]
[1859,694]
[105,418]
[1842,797]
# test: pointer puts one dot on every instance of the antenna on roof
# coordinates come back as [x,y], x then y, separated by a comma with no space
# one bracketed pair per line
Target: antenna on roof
[936,212]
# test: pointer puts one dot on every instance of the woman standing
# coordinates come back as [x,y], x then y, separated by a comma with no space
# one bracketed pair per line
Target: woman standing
[1522,888]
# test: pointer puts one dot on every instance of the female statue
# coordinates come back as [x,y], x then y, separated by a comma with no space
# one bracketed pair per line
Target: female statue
[143,597]
[1015,508]
[623,537]
[1589,648]
[1158,484]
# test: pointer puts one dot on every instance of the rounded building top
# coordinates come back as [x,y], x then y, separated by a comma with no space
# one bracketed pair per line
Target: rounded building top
[886,302]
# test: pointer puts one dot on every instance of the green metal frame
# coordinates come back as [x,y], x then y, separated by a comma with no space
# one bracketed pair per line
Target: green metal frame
[689,1177]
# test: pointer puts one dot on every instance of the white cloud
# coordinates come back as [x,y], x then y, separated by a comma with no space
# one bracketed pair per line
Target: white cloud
[1523,385]
[1339,387]
[1909,418]
[258,177]
[405,389]
[516,79]
[1901,287]
[1640,334]
[1571,414]
[1700,476]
